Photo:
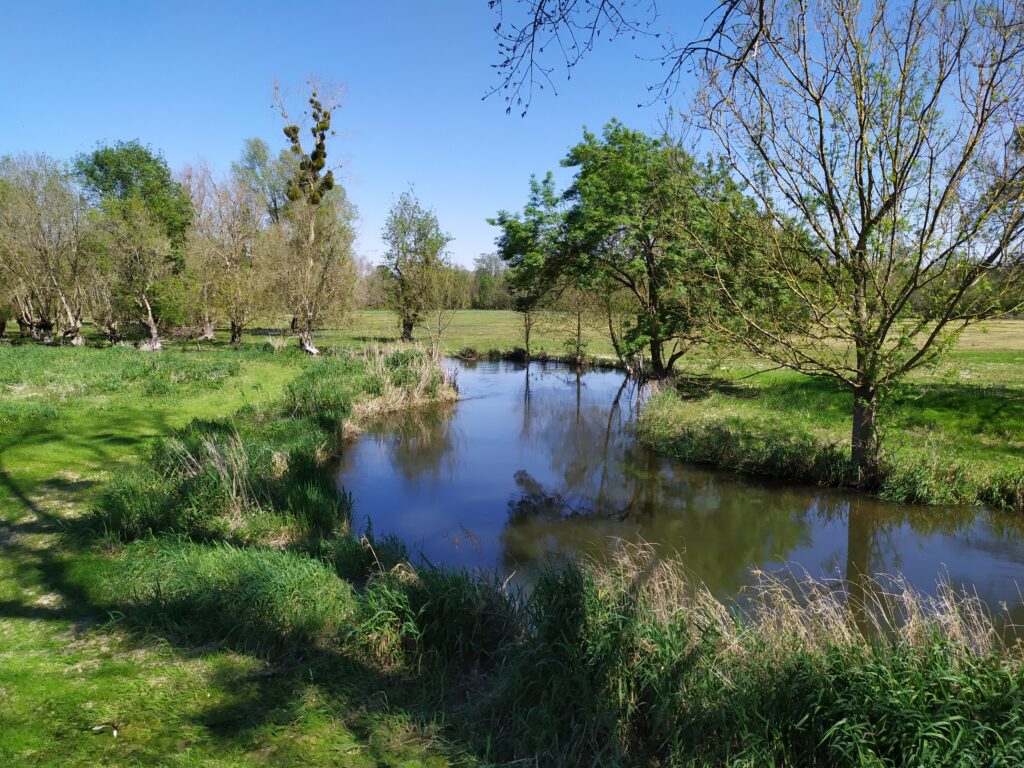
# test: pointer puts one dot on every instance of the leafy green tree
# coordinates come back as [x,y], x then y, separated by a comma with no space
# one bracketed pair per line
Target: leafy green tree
[634,219]
[266,176]
[136,250]
[416,254]
[489,289]
[128,170]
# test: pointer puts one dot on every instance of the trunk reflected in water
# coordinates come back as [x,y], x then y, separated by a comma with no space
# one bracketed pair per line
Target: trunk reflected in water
[538,463]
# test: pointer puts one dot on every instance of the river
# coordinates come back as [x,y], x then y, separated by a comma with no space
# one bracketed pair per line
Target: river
[537,463]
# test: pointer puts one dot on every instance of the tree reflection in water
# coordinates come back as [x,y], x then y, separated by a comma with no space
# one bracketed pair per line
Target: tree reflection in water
[539,463]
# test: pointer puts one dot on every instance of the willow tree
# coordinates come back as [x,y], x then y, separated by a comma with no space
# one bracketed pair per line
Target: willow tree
[416,261]
[42,229]
[230,264]
[317,272]
[889,133]
[137,254]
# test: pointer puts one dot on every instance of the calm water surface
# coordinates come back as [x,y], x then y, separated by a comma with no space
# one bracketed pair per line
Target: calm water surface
[539,462]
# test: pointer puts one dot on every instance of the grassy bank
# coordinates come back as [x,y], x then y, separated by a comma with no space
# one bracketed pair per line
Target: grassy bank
[73,422]
[177,565]
[955,438]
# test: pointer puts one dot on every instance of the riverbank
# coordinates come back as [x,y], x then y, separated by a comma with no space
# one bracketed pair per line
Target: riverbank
[957,439]
[72,421]
[178,567]
[952,434]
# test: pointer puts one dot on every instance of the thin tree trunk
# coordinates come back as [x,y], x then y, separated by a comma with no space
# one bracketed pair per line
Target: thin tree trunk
[864,452]
[407,326]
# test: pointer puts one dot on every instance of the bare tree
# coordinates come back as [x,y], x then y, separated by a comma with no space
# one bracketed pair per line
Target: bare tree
[531,33]
[230,262]
[42,225]
[446,291]
[889,132]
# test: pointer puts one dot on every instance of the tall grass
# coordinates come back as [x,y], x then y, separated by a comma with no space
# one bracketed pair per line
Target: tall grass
[261,476]
[622,664]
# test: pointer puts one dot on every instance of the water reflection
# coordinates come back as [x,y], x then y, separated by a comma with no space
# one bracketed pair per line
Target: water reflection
[538,462]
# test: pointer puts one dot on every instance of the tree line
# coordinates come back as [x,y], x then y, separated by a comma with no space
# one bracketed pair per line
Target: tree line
[114,236]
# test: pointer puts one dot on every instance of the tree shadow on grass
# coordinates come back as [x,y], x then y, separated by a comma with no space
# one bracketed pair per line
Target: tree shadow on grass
[62,581]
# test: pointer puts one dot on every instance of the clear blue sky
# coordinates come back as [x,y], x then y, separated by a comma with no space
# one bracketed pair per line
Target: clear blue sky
[194,79]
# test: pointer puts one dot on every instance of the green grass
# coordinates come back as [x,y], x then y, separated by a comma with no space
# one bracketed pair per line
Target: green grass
[71,420]
[215,621]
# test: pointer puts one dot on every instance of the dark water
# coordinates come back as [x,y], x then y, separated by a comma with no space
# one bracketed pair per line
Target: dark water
[540,463]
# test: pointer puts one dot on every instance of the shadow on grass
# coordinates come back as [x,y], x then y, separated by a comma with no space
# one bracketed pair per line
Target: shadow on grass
[63,571]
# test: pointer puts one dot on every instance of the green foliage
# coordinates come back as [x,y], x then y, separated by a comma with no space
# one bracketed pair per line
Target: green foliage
[416,249]
[636,220]
[127,170]
[308,181]
[266,176]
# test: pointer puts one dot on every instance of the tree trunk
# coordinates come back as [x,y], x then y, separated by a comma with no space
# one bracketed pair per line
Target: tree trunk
[73,336]
[25,328]
[153,343]
[864,452]
[112,331]
[306,342]
[207,331]
[407,325]
[236,333]
[46,329]
[657,363]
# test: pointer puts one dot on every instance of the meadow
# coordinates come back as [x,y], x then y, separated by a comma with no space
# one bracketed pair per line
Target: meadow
[177,568]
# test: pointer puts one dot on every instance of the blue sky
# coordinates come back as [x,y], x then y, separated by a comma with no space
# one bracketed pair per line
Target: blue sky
[194,79]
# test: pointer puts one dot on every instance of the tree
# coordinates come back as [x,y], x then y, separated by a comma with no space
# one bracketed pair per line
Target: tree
[42,226]
[416,252]
[635,220]
[489,290]
[128,170]
[138,252]
[571,29]
[266,176]
[230,262]
[318,273]
[446,291]
[889,133]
